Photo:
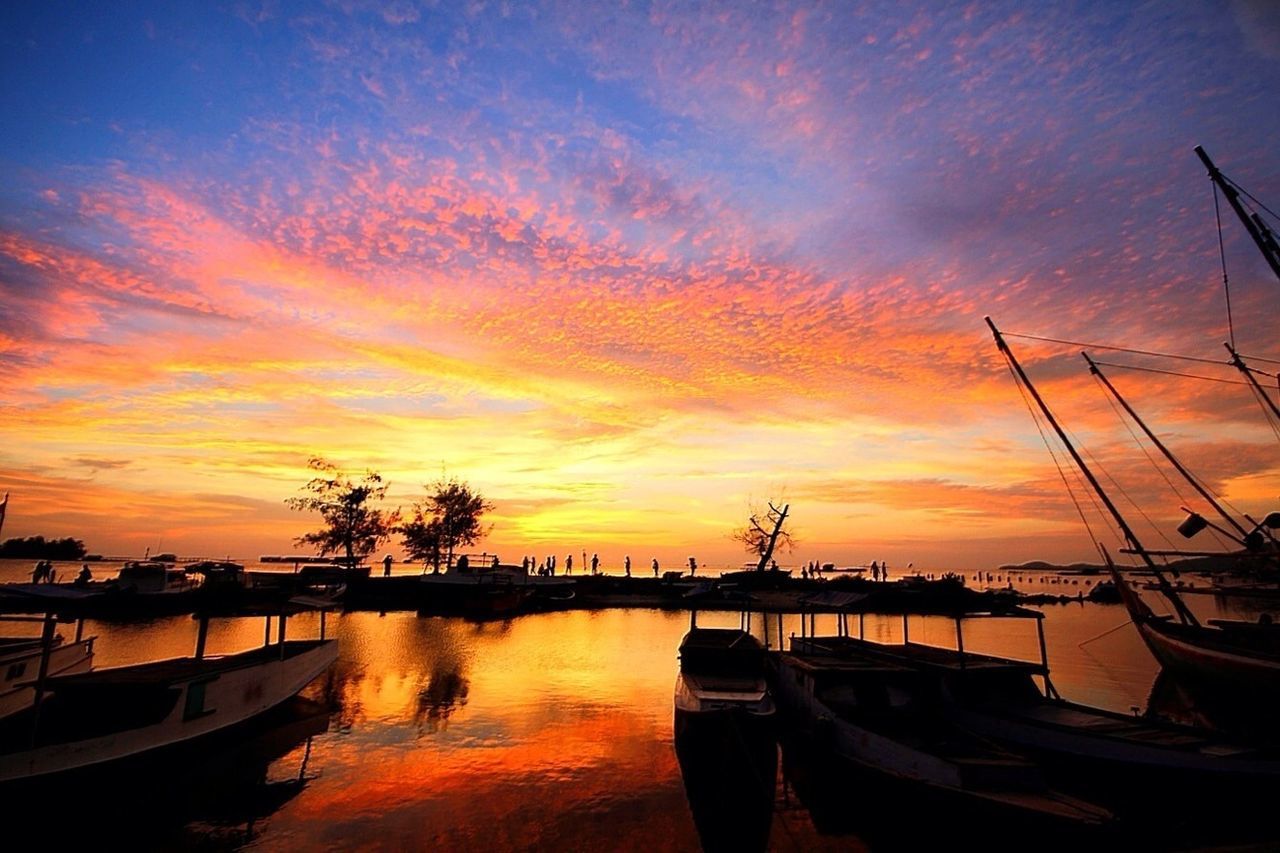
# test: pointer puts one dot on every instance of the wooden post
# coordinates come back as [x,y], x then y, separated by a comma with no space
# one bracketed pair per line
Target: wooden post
[862,623]
[266,633]
[905,635]
[960,640]
[46,648]
[323,613]
[80,629]
[202,635]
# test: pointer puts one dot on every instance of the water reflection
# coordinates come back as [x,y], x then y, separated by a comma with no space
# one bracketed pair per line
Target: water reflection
[220,794]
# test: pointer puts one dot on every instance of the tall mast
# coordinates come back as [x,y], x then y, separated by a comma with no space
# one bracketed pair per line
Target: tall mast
[1257,229]
[1184,613]
[1168,454]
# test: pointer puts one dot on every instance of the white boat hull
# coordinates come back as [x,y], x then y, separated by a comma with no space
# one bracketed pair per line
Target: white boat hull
[234,690]
[20,666]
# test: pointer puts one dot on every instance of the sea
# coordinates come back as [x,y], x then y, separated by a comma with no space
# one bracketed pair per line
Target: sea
[550,731]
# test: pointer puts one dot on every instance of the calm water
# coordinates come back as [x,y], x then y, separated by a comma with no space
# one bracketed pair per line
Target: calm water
[550,731]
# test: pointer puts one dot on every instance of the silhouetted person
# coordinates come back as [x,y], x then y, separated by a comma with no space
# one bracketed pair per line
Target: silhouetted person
[693,567]
[568,565]
[627,564]
[386,566]
[85,576]
[884,571]
[655,567]
[595,563]
[463,564]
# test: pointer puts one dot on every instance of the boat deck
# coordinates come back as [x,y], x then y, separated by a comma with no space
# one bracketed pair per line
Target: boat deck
[179,669]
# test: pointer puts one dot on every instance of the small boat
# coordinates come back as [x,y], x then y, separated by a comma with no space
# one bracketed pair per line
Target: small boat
[1233,655]
[1131,758]
[101,719]
[872,714]
[20,660]
[725,737]
[721,689]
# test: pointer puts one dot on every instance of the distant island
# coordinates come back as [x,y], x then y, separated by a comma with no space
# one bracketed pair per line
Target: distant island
[39,548]
[1224,563]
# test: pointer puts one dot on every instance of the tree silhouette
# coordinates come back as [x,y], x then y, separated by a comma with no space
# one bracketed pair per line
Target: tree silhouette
[352,524]
[765,533]
[447,519]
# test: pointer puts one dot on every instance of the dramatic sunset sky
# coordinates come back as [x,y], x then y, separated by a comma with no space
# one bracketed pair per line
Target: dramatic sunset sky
[623,267]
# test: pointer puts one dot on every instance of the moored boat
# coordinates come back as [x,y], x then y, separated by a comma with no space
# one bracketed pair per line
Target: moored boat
[1133,760]
[870,714]
[95,719]
[725,737]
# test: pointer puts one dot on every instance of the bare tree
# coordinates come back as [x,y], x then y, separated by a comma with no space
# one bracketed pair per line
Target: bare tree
[352,524]
[765,533]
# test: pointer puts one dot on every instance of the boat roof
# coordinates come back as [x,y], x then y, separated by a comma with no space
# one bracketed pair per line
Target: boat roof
[918,655]
[718,638]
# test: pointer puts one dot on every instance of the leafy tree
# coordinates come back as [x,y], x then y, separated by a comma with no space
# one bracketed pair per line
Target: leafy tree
[446,520]
[766,532]
[39,548]
[351,523]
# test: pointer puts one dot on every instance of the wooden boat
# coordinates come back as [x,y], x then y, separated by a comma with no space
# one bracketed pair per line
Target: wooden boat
[97,719]
[1240,657]
[1243,657]
[870,713]
[725,737]
[1132,758]
[20,661]
[721,690]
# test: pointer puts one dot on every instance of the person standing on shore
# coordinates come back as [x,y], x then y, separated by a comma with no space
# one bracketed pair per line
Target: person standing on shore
[655,567]
[627,564]
[568,565]
[595,563]
[693,567]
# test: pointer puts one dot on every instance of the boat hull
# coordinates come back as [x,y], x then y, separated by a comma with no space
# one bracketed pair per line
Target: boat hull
[229,691]
[19,668]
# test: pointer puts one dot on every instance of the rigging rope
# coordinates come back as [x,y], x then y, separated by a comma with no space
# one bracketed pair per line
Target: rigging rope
[1035,419]
[1116,349]
[1172,373]
[1147,453]
[1251,196]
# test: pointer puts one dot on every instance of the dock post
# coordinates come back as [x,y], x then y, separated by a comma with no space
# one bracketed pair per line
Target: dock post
[266,632]
[322,615]
[280,634]
[80,629]
[960,641]
[905,636]
[862,622]
[202,635]
[46,648]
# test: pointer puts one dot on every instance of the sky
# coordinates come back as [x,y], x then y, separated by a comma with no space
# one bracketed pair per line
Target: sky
[628,269]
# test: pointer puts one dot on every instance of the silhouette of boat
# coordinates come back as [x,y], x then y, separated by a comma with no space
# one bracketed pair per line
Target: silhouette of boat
[94,719]
[725,736]
[1132,759]
[875,716]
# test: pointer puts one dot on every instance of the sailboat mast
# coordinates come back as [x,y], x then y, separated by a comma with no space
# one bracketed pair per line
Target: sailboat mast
[1168,454]
[1257,229]
[1183,612]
